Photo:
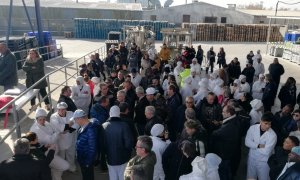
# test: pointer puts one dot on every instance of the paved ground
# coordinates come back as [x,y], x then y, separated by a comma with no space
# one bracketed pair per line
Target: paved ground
[74,48]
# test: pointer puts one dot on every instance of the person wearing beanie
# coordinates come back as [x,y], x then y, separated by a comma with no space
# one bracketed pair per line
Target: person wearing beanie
[279,159]
[81,94]
[261,139]
[47,134]
[65,126]
[292,167]
[160,139]
[86,144]
[118,143]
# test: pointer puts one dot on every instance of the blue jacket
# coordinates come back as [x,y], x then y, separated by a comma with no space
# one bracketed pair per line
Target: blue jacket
[86,145]
[100,113]
[118,141]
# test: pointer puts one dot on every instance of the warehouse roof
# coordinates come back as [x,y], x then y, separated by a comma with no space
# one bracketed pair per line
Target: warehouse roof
[269,12]
[84,5]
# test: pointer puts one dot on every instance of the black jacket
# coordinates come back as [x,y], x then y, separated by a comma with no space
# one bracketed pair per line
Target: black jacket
[24,167]
[249,73]
[225,141]
[71,105]
[119,141]
[287,95]
[8,66]
[234,70]
[209,112]
[276,70]
[139,110]
[292,173]
[175,163]
[150,123]
[277,162]
[269,94]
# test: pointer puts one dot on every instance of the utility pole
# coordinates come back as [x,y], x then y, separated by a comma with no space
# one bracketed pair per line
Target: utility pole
[9,21]
[39,22]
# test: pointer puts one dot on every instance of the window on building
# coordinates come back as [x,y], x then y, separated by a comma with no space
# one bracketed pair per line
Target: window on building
[261,22]
[186,18]
[153,17]
[223,19]
[210,19]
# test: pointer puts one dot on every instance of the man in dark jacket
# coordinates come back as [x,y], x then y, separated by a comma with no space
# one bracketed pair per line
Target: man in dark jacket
[24,166]
[65,97]
[269,93]
[86,145]
[210,112]
[225,142]
[249,71]
[8,66]
[199,55]
[151,119]
[118,143]
[100,109]
[234,70]
[123,54]
[292,172]
[276,70]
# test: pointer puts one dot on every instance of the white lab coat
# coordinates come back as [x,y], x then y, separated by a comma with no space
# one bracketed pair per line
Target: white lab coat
[202,92]
[177,70]
[255,57]
[136,80]
[81,95]
[199,170]
[259,69]
[197,68]
[257,87]
[186,90]
[47,135]
[159,147]
[245,88]
[65,140]
[258,157]
[152,52]
[213,162]
[195,82]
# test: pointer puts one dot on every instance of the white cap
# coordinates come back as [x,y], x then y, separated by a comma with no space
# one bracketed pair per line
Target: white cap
[242,76]
[150,91]
[195,59]
[256,104]
[157,129]
[95,80]
[114,111]
[40,113]
[236,81]
[62,105]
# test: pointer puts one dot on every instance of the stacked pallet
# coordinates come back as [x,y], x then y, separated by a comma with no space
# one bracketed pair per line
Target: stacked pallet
[235,33]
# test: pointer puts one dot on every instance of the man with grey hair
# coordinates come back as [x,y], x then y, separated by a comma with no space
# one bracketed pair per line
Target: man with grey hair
[141,167]
[24,166]
[190,114]
[8,66]
[151,119]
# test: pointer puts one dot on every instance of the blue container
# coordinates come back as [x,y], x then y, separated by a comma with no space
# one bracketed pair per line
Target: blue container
[295,36]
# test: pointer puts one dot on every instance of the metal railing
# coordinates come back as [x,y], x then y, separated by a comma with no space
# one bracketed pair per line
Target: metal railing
[70,70]
[47,52]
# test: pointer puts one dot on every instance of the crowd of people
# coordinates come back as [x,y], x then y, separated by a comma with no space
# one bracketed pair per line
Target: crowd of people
[141,115]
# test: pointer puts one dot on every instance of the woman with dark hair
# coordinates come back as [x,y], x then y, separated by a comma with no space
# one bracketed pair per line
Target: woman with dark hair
[287,93]
[221,58]
[278,160]
[177,159]
[34,68]
[37,150]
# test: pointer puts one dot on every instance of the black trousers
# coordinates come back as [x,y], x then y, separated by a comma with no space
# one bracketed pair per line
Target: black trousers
[43,93]
[87,172]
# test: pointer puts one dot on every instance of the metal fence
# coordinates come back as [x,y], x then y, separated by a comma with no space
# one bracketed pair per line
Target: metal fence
[65,73]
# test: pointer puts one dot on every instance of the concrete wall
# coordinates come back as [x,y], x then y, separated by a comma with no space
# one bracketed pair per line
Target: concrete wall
[197,12]
[58,20]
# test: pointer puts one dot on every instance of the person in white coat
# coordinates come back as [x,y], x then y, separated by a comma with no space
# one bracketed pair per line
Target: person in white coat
[152,52]
[256,56]
[196,66]
[256,111]
[218,86]
[199,170]
[135,77]
[81,94]
[177,70]
[258,87]
[195,80]
[261,140]
[245,87]
[202,91]
[159,146]
[46,135]
[96,82]
[61,121]
[236,89]
[213,162]
[259,68]
[186,89]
